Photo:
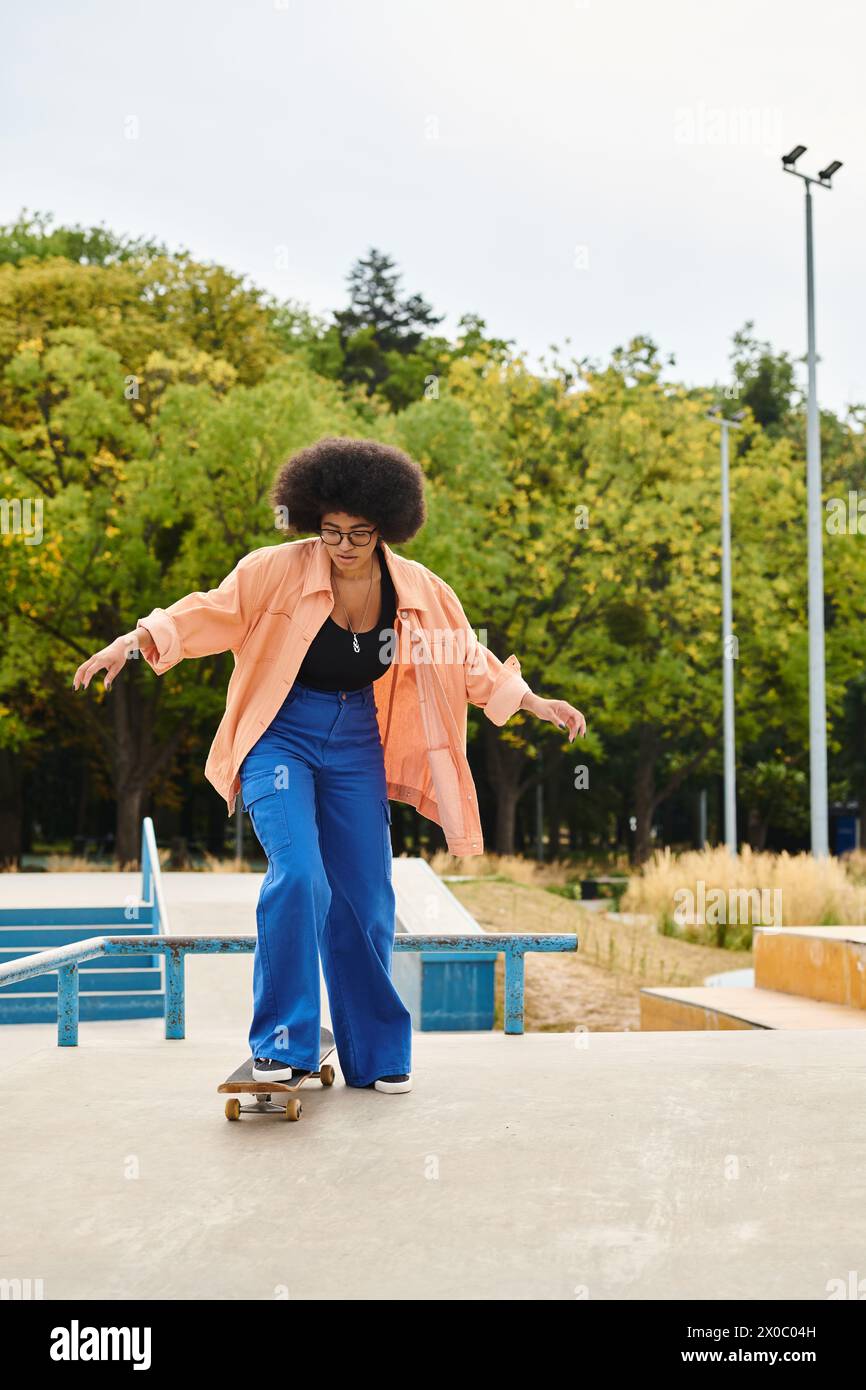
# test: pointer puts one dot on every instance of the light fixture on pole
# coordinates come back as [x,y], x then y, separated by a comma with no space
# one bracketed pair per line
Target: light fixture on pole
[817,696]
[729,641]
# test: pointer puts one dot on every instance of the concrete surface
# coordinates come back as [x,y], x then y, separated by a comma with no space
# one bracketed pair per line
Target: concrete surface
[673,1165]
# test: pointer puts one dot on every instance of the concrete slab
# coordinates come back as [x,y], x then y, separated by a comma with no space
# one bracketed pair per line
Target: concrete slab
[661,1165]
[856,934]
[673,1165]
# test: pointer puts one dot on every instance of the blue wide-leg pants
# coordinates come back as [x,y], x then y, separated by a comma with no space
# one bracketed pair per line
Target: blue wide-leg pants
[314,785]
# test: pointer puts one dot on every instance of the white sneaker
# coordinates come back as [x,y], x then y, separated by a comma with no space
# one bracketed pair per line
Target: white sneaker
[393,1083]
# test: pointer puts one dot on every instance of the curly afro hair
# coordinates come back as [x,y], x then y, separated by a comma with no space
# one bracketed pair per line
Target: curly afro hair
[358,476]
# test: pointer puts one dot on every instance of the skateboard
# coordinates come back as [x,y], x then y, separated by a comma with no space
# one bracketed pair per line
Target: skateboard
[241,1083]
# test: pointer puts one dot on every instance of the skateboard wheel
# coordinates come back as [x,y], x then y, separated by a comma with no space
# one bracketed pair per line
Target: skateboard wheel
[294,1109]
[327,1074]
[233,1109]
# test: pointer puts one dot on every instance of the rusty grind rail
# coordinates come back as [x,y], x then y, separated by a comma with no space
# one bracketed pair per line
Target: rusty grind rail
[67,959]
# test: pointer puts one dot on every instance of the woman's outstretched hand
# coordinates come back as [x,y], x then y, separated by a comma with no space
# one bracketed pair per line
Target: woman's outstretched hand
[558,712]
[114,657]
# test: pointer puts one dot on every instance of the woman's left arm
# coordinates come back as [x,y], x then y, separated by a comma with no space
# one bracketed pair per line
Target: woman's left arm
[558,712]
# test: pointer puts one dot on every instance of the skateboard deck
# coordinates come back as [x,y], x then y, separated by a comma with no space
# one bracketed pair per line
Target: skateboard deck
[241,1083]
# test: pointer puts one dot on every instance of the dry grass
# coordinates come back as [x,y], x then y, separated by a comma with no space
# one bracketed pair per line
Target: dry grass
[598,987]
[812,892]
[76,864]
[517,869]
[212,865]
[511,866]
[855,865]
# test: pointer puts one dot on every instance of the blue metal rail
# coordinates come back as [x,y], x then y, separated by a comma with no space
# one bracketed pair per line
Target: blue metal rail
[67,960]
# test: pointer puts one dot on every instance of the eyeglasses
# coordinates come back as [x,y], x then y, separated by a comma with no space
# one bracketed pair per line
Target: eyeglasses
[332,535]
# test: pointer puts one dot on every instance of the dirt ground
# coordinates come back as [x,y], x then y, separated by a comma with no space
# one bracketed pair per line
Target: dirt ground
[596,988]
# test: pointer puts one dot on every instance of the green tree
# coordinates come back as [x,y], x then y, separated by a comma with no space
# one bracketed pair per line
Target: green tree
[32,236]
[765,381]
[384,336]
[150,458]
[497,451]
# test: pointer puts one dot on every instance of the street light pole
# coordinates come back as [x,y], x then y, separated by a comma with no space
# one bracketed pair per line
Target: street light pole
[729,642]
[817,694]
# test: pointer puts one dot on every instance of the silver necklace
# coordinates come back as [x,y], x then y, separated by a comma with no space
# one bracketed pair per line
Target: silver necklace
[355,643]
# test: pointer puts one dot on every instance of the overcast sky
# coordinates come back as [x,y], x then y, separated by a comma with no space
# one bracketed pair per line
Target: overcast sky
[583,169]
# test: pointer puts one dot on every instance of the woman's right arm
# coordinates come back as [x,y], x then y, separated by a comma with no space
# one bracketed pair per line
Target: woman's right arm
[199,624]
[114,657]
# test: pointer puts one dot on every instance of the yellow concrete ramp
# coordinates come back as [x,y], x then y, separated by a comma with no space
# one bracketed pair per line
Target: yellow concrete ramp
[713,1007]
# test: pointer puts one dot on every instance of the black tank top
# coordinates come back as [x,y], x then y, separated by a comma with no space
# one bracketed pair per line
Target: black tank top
[332,662]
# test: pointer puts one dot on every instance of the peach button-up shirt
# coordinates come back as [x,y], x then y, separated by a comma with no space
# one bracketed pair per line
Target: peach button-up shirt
[268,610]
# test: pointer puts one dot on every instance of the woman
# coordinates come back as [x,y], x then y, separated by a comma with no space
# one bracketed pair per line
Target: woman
[314,625]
